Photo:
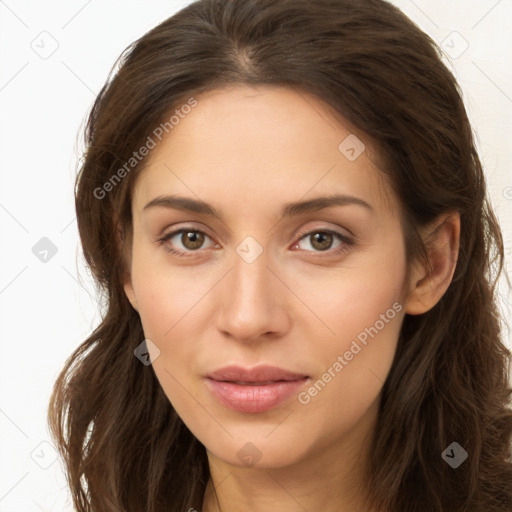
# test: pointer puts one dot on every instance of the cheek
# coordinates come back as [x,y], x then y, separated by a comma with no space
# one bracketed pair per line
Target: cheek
[165,292]
[166,302]
[361,311]
[171,303]
[351,298]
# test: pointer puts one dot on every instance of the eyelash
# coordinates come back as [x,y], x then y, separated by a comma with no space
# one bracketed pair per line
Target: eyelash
[346,241]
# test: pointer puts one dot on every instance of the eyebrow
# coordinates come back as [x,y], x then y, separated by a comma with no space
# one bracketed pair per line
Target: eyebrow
[289,209]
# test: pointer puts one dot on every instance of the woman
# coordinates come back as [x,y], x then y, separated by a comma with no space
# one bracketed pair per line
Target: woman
[283,204]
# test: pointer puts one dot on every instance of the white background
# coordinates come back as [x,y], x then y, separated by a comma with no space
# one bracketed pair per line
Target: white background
[49,308]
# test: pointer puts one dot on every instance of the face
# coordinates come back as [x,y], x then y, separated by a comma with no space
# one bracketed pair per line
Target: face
[250,281]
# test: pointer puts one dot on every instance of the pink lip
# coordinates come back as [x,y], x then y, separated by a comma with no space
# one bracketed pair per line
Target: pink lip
[254,390]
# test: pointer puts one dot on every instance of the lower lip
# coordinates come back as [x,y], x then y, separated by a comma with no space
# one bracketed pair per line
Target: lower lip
[254,398]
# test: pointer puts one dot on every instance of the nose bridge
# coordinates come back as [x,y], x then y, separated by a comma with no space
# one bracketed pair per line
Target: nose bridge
[250,299]
[250,280]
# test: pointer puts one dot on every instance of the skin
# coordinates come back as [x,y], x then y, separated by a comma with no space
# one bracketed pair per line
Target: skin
[248,151]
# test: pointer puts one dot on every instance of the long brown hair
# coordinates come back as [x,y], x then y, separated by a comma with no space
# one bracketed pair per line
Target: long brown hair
[124,446]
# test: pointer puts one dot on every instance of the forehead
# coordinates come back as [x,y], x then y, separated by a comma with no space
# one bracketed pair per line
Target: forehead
[255,146]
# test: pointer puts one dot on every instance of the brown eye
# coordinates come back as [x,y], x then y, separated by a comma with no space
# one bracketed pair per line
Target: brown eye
[321,240]
[192,239]
[185,241]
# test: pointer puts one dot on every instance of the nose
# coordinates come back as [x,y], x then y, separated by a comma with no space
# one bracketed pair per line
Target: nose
[253,301]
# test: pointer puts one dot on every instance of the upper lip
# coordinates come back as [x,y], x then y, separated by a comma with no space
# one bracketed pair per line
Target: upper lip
[263,373]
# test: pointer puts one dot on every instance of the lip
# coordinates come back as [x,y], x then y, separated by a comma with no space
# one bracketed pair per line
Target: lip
[255,389]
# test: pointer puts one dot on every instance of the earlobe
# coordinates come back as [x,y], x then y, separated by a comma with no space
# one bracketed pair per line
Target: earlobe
[428,285]
[128,287]
[128,290]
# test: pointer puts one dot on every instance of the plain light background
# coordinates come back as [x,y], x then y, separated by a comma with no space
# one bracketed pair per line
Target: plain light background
[55,56]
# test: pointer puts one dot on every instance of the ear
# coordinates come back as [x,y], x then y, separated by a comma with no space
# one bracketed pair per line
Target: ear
[128,289]
[428,284]
[127,284]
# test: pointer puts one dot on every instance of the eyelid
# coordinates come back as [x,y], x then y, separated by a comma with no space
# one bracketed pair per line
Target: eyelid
[171,234]
[346,240]
[343,236]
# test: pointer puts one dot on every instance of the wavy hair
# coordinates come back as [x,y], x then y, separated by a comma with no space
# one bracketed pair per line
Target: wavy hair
[124,446]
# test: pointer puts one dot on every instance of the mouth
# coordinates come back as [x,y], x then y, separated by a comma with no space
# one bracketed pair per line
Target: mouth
[254,390]
[245,383]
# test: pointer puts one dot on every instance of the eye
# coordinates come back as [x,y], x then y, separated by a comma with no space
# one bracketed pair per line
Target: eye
[191,240]
[321,240]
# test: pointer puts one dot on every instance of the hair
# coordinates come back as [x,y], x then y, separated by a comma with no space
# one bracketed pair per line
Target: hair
[124,446]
